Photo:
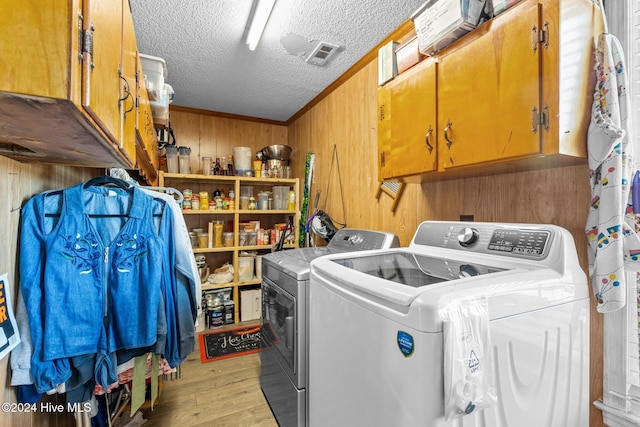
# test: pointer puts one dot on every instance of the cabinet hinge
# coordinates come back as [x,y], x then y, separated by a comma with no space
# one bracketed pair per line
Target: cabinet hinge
[382,159]
[540,36]
[540,119]
[87,42]
[80,36]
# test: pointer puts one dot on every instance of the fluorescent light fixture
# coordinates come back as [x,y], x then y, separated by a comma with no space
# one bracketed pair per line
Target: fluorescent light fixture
[259,22]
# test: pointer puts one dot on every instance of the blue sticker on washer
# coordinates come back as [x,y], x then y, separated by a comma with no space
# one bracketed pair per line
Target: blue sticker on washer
[405,343]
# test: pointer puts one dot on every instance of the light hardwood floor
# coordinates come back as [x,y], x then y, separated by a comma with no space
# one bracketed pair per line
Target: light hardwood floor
[219,394]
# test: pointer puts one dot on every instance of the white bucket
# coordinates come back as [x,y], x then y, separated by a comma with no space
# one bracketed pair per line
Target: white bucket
[242,157]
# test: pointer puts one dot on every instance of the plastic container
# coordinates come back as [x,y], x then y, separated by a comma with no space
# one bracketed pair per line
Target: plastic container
[203,240]
[263,200]
[155,72]
[184,160]
[291,202]
[206,165]
[280,197]
[217,234]
[242,157]
[246,190]
[245,267]
[160,108]
[228,239]
[244,202]
[172,158]
[247,238]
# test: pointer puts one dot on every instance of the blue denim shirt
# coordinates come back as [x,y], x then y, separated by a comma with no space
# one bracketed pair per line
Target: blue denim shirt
[92,285]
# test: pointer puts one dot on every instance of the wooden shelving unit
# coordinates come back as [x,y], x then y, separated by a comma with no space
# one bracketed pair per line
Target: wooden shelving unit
[217,256]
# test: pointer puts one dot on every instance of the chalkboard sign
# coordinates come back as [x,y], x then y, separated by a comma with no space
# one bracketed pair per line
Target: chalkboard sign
[229,343]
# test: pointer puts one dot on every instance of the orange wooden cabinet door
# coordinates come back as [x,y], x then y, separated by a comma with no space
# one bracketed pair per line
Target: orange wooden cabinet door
[128,84]
[407,134]
[488,89]
[103,65]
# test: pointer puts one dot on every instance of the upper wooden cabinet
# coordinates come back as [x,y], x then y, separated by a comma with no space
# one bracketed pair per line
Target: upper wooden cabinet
[487,91]
[514,94]
[407,122]
[65,70]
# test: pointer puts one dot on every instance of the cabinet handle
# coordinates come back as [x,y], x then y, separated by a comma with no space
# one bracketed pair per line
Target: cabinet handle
[428,138]
[127,94]
[446,133]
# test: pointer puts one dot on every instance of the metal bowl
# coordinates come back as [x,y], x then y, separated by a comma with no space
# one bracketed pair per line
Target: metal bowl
[277,152]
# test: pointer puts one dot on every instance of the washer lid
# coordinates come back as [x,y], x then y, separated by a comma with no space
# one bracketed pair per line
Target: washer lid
[415,270]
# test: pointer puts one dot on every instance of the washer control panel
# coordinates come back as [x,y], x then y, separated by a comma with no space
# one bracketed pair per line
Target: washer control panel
[350,239]
[519,241]
[529,241]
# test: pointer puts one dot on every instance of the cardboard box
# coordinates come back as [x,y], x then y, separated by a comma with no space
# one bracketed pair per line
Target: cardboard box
[387,66]
[408,55]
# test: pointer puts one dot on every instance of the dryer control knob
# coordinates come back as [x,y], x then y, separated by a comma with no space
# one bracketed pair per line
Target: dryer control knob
[468,237]
[356,239]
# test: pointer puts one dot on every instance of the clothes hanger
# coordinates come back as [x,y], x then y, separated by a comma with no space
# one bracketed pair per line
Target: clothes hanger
[105,180]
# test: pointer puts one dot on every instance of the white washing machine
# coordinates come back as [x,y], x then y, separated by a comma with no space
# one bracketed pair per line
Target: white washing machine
[367,309]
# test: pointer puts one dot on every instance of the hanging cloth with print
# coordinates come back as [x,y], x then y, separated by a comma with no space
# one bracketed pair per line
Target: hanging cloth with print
[611,220]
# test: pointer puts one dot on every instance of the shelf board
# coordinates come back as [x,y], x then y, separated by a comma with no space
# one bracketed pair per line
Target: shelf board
[225,178]
[266,211]
[241,212]
[239,248]
[210,286]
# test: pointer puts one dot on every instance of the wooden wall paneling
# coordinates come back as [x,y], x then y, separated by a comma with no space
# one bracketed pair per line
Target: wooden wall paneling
[215,137]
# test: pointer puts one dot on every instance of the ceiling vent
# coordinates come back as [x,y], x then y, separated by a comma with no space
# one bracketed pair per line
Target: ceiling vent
[322,53]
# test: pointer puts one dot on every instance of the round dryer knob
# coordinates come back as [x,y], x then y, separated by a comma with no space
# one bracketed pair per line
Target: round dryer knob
[356,239]
[468,237]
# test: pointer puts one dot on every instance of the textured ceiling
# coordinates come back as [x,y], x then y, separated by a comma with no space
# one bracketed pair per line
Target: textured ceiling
[211,68]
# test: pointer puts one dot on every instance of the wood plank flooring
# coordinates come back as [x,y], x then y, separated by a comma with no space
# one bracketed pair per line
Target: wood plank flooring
[222,393]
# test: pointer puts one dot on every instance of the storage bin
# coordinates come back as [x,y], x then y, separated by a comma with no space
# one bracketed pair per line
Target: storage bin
[155,73]
[242,157]
[250,304]
[246,267]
